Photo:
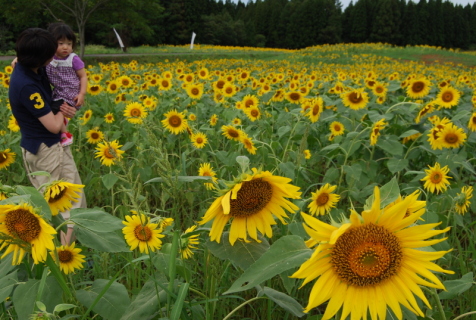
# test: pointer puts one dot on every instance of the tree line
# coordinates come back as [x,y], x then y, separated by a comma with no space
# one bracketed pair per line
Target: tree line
[288,24]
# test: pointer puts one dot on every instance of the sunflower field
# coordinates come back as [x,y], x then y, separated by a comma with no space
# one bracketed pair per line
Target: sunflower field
[324,183]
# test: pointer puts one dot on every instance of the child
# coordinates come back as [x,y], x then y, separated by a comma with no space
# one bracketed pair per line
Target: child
[67,74]
[30,99]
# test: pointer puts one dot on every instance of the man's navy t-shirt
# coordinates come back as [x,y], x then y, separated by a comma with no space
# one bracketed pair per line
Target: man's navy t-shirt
[30,99]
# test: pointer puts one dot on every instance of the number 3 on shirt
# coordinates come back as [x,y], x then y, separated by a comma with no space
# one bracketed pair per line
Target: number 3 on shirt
[39,101]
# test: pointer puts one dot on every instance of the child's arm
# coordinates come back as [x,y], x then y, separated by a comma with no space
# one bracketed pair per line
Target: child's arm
[83,80]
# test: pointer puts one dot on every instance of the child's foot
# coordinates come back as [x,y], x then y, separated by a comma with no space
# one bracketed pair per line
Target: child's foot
[66,139]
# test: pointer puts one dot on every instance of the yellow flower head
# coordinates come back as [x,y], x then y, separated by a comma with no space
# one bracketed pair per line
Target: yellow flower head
[70,258]
[175,122]
[323,200]
[436,178]
[139,232]
[6,158]
[374,259]
[109,152]
[60,195]
[251,204]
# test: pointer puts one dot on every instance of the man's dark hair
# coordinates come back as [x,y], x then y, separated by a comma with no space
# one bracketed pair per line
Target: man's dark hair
[61,30]
[34,47]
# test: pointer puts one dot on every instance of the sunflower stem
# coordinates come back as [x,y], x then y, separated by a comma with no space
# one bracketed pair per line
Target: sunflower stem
[464,315]
[438,303]
[242,305]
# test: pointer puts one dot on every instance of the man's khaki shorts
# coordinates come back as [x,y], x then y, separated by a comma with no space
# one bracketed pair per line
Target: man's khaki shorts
[59,162]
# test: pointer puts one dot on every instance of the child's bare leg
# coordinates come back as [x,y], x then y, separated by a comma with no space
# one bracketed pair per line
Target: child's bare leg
[68,237]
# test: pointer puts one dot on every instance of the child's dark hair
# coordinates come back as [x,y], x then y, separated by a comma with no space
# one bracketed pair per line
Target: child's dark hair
[34,47]
[61,30]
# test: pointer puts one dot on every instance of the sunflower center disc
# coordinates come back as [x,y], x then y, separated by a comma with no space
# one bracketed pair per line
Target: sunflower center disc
[366,255]
[418,87]
[135,112]
[65,256]
[451,138]
[448,97]
[23,224]
[3,157]
[109,153]
[436,178]
[175,121]
[253,196]
[142,233]
[58,196]
[355,98]
[322,199]
[295,96]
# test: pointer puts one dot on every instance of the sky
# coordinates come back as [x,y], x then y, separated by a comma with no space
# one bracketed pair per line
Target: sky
[346,2]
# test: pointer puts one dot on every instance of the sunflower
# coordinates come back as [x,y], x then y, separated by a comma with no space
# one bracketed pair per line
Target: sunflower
[438,126]
[436,178]
[8,69]
[192,117]
[371,262]
[307,154]
[323,200]
[165,84]
[355,99]
[95,89]
[109,152]
[427,109]
[165,222]
[379,89]
[175,122]
[250,101]
[150,103]
[294,97]
[236,121]
[135,113]
[314,108]
[199,140]
[109,118]
[448,97]
[462,199]
[69,258]
[250,203]
[418,88]
[203,73]
[188,242]
[60,195]
[253,113]
[24,230]
[194,91]
[188,78]
[206,170]
[139,232]
[337,128]
[125,81]
[94,136]
[112,87]
[213,120]
[248,144]
[375,133]
[232,133]
[13,124]
[6,158]
[229,90]
[472,122]
[450,136]
[86,116]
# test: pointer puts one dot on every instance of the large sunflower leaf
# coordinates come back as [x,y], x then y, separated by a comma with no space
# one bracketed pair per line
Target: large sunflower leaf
[103,241]
[457,287]
[95,220]
[25,295]
[284,301]
[112,304]
[241,254]
[286,253]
